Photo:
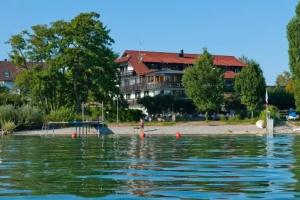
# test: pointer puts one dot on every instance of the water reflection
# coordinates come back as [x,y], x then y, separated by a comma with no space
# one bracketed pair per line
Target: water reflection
[231,167]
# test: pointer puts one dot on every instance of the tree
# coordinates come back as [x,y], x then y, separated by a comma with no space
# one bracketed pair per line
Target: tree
[204,84]
[250,86]
[281,98]
[283,79]
[66,63]
[293,34]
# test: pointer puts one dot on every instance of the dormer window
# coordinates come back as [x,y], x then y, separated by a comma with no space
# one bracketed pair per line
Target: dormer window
[6,74]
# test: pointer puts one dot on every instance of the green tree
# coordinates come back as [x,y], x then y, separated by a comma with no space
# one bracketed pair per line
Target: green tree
[250,86]
[204,84]
[283,79]
[66,63]
[293,34]
[281,98]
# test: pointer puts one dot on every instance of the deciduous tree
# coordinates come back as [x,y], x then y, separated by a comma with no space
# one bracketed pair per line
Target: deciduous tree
[250,86]
[293,34]
[66,63]
[204,84]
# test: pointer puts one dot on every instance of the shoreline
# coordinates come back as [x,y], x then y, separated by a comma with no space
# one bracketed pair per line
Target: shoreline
[184,128]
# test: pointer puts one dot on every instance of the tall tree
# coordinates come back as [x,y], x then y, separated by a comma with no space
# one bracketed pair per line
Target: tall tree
[250,86]
[204,84]
[66,63]
[283,79]
[293,34]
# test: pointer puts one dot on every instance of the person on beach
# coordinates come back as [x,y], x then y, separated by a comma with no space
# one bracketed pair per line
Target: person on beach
[142,124]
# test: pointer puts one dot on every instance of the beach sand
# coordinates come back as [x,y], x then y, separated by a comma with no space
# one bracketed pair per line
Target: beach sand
[184,128]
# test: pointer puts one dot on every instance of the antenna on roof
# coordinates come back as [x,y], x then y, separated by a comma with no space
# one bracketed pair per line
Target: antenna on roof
[140,55]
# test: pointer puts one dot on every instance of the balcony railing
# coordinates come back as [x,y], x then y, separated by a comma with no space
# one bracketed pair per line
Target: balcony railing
[126,73]
[150,86]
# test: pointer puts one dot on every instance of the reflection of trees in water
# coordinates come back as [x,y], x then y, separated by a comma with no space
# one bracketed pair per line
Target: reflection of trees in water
[296,167]
[93,166]
[53,165]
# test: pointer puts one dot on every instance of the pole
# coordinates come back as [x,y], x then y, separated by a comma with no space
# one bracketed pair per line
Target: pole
[102,112]
[82,111]
[117,110]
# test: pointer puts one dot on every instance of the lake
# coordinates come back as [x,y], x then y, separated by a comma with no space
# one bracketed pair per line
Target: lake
[127,167]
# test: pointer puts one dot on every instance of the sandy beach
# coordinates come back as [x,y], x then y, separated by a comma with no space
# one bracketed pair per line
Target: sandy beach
[184,128]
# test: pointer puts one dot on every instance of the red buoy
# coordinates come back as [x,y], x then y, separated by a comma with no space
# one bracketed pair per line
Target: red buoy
[178,135]
[74,135]
[142,134]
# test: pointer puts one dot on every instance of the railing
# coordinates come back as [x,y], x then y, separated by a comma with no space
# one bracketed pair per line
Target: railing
[150,86]
[126,73]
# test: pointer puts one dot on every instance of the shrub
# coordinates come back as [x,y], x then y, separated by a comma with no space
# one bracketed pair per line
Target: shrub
[274,114]
[7,113]
[8,127]
[28,115]
[62,114]
[131,115]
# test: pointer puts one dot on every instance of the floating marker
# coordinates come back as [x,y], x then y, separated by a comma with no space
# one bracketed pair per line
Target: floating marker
[178,135]
[74,135]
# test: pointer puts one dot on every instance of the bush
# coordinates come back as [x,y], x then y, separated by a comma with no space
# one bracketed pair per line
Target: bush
[274,114]
[8,127]
[28,115]
[7,113]
[61,115]
[131,115]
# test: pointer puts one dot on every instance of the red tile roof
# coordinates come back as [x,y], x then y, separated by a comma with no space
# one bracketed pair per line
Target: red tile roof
[6,66]
[138,59]
[229,75]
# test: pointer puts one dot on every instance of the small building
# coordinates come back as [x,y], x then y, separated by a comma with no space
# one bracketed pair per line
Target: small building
[8,72]
[148,73]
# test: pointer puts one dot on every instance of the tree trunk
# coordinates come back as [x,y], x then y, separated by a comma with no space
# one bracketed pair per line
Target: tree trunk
[206,116]
[251,114]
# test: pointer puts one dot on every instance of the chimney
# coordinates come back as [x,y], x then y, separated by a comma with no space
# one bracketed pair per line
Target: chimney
[181,54]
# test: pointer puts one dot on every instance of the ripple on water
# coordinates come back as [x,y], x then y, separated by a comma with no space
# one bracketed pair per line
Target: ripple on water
[125,167]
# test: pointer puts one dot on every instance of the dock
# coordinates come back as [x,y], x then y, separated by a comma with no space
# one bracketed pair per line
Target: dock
[80,127]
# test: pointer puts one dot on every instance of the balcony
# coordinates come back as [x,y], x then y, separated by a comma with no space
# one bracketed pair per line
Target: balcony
[126,73]
[150,86]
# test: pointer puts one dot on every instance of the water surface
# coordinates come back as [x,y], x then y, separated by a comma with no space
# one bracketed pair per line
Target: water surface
[126,167]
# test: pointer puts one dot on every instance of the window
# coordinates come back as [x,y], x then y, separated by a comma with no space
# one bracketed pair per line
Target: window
[6,74]
[146,93]
[137,95]
[237,70]
[127,96]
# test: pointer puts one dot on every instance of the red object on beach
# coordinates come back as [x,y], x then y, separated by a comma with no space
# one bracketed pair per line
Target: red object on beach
[178,135]
[142,134]
[74,135]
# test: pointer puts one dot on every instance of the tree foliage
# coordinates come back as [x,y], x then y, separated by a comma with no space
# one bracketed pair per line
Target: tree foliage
[281,98]
[166,103]
[66,63]
[250,86]
[204,84]
[293,34]
[283,79]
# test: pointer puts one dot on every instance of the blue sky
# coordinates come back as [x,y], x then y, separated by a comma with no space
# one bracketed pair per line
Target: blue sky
[254,28]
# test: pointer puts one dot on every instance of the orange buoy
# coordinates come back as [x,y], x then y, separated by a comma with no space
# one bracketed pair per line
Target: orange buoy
[142,134]
[178,135]
[74,135]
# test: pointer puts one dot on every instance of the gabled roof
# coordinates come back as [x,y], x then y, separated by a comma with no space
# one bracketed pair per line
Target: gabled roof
[6,66]
[138,59]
